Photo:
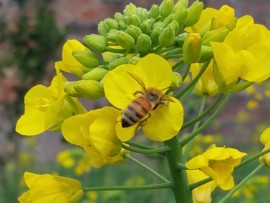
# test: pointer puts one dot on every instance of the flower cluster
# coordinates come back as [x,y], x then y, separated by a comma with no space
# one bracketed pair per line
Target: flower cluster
[145,63]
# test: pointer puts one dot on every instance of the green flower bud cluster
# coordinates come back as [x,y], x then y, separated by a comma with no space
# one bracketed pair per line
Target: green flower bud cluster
[141,31]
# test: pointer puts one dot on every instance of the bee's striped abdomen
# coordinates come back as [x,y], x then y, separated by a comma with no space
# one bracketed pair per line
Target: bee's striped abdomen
[136,110]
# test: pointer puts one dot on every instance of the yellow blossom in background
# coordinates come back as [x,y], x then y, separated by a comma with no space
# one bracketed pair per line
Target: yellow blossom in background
[89,131]
[50,188]
[252,104]
[201,194]
[206,85]
[265,140]
[218,163]
[65,159]
[42,107]
[69,63]
[121,89]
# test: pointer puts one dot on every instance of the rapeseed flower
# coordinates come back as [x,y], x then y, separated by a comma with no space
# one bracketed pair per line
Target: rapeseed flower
[50,188]
[95,133]
[126,82]
[265,140]
[218,163]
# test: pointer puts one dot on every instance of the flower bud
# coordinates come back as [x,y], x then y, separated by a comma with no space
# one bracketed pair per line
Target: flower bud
[132,20]
[155,34]
[224,18]
[130,9]
[69,89]
[144,42]
[113,24]
[217,35]
[146,26]
[168,19]
[192,48]
[194,13]
[174,25]
[141,13]
[180,16]
[167,37]
[112,35]
[134,60]
[166,7]
[181,38]
[125,40]
[117,61]
[206,53]
[122,25]
[134,31]
[95,74]
[181,4]
[96,42]
[86,58]
[177,81]
[154,11]
[118,16]
[103,28]
[90,89]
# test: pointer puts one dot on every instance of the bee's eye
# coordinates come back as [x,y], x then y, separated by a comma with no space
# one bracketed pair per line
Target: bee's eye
[152,97]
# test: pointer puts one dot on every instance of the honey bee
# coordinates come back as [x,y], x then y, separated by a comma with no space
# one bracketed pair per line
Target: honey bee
[138,111]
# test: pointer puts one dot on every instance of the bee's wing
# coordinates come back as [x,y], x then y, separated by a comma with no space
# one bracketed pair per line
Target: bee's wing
[135,77]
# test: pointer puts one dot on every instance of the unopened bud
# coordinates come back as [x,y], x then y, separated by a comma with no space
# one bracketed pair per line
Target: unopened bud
[103,28]
[134,60]
[130,9]
[154,11]
[166,7]
[180,39]
[224,18]
[70,90]
[167,37]
[90,89]
[192,48]
[168,19]
[118,16]
[217,35]
[112,35]
[206,53]
[96,42]
[146,25]
[177,81]
[122,25]
[144,42]
[132,19]
[180,16]
[95,74]
[113,24]
[194,13]
[174,25]
[125,40]
[117,61]
[134,31]
[86,58]
[181,4]
[155,34]
[141,13]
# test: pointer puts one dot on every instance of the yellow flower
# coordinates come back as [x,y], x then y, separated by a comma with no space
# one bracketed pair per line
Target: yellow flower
[65,159]
[201,194]
[49,188]
[206,84]
[89,131]
[243,54]
[69,63]
[265,140]
[218,163]
[42,107]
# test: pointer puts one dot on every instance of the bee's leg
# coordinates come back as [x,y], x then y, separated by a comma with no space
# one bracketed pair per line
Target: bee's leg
[142,122]
[137,92]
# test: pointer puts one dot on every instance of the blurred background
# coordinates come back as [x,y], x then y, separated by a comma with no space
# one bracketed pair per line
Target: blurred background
[32,33]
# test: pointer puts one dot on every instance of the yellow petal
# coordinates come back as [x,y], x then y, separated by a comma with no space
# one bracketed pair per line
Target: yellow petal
[165,121]
[125,134]
[265,137]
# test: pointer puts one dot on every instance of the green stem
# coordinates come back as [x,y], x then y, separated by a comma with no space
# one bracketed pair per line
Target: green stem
[147,151]
[190,144]
[141,146]
[77,107]
[120,51]
[182,193]
[148,169]
[177,67]
[194,81]
[201,116]
[199,183]
[211,118]
[173,56]
[252,158]
[242,183]
[185,74]
[134,187]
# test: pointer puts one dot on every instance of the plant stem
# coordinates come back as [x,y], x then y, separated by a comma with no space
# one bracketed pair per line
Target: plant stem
[199,183]
[148,168]
[134,187]
[181,190]
[141,146]
[203,126]
[242,183]
[147,151]
[190,144]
